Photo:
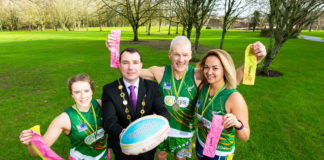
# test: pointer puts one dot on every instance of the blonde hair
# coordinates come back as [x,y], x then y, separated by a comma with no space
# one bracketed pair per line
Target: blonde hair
[227,63]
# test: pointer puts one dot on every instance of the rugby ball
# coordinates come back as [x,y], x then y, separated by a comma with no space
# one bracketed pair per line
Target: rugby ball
[144,134]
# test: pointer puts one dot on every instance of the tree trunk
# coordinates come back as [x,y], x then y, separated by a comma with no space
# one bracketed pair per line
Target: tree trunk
[222,40]
[63,26]
[135,30]
[310,27]
[196,43]
[1,27]
[43,27]
[183,30]
[270,57]
[169,32]
[160,24]
[189,29]
[149,28]
[79,25]
[177,32]
[254,27]
[267,61]
[100,27]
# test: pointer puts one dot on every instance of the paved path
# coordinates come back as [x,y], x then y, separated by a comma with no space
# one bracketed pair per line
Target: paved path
[311,38]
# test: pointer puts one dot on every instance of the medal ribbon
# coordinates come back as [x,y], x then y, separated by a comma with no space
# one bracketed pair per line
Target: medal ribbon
[174,86]
[205,107]
[94,115]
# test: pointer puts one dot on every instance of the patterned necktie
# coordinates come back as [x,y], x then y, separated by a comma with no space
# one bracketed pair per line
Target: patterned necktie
[133,97]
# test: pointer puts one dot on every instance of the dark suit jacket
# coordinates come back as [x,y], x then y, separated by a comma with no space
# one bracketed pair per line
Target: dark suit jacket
[113,110]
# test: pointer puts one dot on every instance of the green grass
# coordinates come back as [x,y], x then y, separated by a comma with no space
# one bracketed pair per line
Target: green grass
[286,113]
[319,34]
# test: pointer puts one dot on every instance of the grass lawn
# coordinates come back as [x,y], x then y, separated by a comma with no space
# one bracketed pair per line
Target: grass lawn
[285,113]
[319,34]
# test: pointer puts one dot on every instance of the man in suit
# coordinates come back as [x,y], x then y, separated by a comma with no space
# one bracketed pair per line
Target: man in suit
[127,99]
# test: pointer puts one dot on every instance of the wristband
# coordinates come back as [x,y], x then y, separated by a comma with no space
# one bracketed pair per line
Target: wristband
[241,126]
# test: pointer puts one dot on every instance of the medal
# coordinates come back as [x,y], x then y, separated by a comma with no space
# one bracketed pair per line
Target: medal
[120,87]
[204,107]
[175,107]
[92,137]
[97,144]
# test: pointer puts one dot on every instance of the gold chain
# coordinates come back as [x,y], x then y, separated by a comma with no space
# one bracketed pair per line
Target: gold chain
[125,102]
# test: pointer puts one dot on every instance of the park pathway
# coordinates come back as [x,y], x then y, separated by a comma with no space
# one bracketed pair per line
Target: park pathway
[311,38]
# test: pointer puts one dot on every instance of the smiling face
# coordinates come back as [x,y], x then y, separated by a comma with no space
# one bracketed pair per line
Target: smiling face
[81,93]
[213,70]
[180,55]
[130,66]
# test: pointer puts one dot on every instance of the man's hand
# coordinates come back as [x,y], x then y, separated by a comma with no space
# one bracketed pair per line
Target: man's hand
[259,50]
[110,41]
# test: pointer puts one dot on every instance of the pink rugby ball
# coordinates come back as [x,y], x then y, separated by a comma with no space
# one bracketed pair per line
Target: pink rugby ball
[144,134]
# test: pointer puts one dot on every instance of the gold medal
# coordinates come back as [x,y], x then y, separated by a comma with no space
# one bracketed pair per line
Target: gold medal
[97,144]
[142,111]
[126,111]
[125,102]
[175,107]
[120,87]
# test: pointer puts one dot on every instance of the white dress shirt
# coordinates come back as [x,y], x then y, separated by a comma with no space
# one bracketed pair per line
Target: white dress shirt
[135,84]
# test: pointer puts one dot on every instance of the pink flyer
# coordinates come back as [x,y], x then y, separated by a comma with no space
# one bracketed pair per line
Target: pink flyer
[114,49]
[44,151]
[214,133]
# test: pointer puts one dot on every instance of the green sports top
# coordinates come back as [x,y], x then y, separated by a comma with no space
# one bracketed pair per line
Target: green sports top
[84,143]
[226,143]
[184,93]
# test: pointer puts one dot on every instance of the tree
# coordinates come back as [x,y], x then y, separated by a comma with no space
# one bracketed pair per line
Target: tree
[3,5]
[288,17]
[232,9]
[255,19]
[185,11]
[137,12]
[202,11]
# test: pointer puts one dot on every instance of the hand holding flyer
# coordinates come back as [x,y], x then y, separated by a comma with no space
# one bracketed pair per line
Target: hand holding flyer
[214,133]
[114,49]
[42,149]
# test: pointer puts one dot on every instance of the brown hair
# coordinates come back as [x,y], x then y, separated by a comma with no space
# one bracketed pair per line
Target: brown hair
[130,50]
[227,63]
[80,77]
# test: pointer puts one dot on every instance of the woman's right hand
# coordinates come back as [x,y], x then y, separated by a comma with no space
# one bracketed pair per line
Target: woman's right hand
[25,136]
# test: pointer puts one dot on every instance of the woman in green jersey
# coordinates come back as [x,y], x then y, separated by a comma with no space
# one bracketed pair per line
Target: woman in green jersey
[82,123]
[218,96]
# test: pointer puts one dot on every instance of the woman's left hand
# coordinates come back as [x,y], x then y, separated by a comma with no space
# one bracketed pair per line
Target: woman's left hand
[231,121]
